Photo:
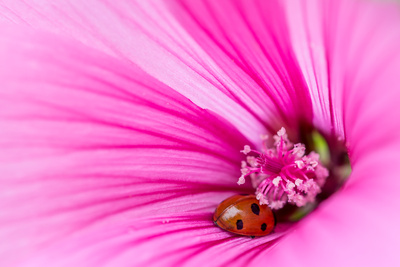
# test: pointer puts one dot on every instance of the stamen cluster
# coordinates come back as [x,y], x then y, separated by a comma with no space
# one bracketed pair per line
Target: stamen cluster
[283,173]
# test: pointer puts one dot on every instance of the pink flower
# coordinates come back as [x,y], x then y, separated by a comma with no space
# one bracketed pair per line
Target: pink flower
[122,124]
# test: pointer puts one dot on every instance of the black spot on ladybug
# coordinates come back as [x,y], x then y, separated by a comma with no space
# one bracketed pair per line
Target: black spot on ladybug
[255,209]
[239,224]
[263,226]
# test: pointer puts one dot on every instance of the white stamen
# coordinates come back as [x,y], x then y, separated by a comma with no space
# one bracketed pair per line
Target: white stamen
[313,163]
[263,200]
[300,164]
[298,182]
[246,150]
[290,186]
[252,161]
[276,205]
[241,180]
[276,181]
[281,132]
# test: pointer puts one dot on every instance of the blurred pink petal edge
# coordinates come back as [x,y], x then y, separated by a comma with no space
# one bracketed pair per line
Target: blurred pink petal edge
[121,126]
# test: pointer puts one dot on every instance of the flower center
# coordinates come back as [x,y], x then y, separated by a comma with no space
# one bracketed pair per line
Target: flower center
[282,173]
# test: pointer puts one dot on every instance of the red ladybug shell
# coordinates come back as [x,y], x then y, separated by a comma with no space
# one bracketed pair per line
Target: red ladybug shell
[243,215]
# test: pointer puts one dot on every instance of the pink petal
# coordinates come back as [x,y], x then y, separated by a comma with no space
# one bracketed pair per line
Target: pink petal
[92,148]
[343,48]
[251,40]
[163,48]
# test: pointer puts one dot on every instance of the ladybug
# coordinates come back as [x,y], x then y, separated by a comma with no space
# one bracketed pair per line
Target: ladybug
[243,215]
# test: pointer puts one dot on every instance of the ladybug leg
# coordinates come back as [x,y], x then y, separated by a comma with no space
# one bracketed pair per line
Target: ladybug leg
[215,223]
[252,237]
